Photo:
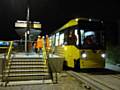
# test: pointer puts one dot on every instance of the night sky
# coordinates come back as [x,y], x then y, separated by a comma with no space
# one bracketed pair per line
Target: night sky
[54,13]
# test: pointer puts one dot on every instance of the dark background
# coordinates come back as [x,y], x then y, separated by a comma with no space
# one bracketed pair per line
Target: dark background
[54,13]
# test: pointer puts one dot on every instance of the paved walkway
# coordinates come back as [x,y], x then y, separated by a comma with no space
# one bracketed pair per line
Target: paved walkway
[33,55]
[65,82]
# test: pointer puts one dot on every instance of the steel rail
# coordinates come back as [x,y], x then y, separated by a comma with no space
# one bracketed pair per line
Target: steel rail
[94,84]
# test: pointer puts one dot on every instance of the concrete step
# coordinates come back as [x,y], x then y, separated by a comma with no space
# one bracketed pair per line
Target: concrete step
[26,78]
[31,82]
[28,66]
[27,74]
[27,59]
[27,70]
[28,63]
[29,56]
[32,60]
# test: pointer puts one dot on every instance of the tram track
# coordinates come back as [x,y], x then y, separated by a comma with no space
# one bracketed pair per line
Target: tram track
[107,80]
[108,73]
[95,82]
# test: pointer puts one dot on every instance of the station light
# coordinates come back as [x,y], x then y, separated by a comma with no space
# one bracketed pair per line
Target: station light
[101,21]
[21,21]
[36,22]
[90,20]
[76,19]
[103,55]
[28,32]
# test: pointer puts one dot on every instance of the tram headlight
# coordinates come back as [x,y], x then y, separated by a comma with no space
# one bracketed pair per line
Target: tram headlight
[103,55]
[84,55]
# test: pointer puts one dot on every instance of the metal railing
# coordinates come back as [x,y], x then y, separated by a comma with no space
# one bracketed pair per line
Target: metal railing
[9,51]
[44,51]
[6,60]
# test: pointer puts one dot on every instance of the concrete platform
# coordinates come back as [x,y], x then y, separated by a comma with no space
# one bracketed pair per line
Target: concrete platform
[27,55]
[112,67]
[33,55]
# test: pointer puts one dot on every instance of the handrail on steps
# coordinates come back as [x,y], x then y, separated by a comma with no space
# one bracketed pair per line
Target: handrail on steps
[6,60]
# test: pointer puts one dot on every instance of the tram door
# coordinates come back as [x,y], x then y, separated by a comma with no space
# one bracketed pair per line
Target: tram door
[78,40]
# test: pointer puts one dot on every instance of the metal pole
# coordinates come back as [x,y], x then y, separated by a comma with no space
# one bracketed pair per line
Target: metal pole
[26,42]
[27,30]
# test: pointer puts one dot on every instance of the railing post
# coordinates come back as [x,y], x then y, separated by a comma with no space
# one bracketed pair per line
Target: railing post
[9,50]
[44,51]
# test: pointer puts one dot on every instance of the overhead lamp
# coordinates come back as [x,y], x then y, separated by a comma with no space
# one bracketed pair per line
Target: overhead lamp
[76,19]
[90,20]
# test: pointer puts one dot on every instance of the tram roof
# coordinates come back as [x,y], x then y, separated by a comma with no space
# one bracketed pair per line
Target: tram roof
[71,23]
[75,21]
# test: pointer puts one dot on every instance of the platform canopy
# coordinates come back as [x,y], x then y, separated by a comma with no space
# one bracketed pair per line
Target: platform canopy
[21,27]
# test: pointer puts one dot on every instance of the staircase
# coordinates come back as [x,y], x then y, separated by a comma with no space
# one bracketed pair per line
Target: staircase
[26,69]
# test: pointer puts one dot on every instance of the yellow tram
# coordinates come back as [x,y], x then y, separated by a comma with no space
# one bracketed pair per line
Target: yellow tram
[81,42]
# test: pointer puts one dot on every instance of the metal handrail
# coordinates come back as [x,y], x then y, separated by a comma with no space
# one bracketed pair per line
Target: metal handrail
[45,55]
[7,59]
[44,51]
[45,58]
[9,50]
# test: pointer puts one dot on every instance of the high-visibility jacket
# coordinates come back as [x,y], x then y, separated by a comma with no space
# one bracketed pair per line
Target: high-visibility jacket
[47,43]
[39,43]
[35,44]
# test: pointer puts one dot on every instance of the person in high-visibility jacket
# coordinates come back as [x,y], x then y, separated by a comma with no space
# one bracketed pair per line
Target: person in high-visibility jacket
[47,43]
[35,46]
[39,44]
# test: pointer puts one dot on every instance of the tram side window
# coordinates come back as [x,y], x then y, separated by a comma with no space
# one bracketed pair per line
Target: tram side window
[66,37]
[52,40]
[61,41]
[77,37]
[57,39]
